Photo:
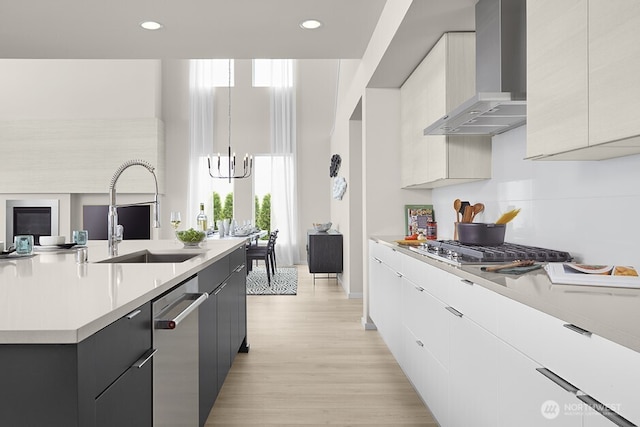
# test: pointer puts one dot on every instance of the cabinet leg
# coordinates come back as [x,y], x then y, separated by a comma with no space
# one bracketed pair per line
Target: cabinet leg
[244,347]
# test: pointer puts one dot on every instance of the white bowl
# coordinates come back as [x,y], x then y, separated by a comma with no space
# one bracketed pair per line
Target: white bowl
[51,240]
[322,226]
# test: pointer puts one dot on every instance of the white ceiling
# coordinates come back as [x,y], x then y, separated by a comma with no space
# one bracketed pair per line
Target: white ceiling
[242,29]
[192,28]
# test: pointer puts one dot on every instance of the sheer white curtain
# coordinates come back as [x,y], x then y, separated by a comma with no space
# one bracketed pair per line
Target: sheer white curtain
[200,139]
[283,162]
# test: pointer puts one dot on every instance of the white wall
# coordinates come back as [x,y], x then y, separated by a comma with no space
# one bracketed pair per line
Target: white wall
[175,112]
[37,89]
[585,208]
[316,94]
[112,89]
[382,199]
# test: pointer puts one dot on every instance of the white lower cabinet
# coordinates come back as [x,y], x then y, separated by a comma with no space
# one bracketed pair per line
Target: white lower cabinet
[473,368]
[385,290]
[478,358]
[598,367]
[527,398]
[425,323]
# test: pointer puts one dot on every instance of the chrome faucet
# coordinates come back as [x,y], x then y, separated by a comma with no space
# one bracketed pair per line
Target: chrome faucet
[115,231]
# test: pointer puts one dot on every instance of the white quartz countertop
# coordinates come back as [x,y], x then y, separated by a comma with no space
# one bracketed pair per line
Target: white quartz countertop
[612,313]
[51,299]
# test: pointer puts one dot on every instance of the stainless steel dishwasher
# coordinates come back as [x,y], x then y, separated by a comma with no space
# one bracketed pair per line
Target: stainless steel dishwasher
[175,365]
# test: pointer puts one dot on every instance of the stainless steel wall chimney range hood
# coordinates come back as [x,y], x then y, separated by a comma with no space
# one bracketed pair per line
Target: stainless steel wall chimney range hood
[501,79]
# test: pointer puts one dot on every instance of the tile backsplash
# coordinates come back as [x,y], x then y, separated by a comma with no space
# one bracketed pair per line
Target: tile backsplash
[585,208]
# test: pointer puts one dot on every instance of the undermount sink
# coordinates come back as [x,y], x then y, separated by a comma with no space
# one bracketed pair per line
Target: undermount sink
[147,257]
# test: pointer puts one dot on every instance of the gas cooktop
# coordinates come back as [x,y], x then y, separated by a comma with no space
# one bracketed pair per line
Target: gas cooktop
[456,253]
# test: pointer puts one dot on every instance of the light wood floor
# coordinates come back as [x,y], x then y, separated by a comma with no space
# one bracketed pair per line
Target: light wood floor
[311,363]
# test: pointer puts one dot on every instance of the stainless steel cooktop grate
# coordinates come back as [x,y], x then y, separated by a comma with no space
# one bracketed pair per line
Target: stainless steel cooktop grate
[454,252]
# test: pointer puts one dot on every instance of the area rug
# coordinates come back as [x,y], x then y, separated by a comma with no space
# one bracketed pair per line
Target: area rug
[283,282]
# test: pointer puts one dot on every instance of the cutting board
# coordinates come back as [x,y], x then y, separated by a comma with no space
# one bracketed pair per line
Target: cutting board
[410,242]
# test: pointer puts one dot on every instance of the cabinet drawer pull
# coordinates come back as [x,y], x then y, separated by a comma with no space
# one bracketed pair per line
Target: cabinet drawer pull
[398,274]
[566,386]
[468,282]
[239,268]
[453,311]
[419,288]
[603,410]
[577,329]
[133,314]
[220,288]
[377,260]
[420,343]
[145,358]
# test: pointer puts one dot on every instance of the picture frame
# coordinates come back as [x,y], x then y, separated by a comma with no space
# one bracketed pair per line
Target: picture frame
[416,218]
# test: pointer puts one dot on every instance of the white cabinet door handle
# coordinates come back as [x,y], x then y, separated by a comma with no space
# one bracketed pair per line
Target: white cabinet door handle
[419,288]
[468,282]
[420,343]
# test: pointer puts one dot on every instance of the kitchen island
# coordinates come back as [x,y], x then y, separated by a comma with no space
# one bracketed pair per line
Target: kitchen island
[506,345]
[76,341]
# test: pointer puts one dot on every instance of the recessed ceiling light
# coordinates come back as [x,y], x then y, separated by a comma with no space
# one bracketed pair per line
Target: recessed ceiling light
[310,24]
[151,25]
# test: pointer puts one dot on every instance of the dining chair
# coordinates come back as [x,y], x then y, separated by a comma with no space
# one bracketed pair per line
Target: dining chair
[265,253]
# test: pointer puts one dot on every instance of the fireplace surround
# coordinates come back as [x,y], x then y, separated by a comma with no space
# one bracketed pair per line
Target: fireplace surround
[38,217]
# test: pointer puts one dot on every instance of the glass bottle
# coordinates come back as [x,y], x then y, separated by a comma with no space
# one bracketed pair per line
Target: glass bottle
[202,219]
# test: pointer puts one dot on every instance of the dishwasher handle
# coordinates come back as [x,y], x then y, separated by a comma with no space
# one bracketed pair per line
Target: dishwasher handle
[172,323]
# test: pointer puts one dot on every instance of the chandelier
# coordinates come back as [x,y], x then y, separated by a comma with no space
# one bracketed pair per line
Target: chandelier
[247,161]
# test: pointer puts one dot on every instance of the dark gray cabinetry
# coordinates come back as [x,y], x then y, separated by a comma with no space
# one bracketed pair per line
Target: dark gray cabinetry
[324,251]
[222,324]
[118,361]
[80,384]
[224,299]
[209,280]
[127,402]
[238,283]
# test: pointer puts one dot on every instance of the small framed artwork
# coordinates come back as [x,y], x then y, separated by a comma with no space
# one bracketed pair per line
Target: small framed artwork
[416,218]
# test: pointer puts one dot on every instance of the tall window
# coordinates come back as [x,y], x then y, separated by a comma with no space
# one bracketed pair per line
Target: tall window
[262,191]
[220,72]
[205,76]
[271,73]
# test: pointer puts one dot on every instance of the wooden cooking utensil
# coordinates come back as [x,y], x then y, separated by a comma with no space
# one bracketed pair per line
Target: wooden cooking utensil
[457,204]
[477,208]
[510,265]
[468,213]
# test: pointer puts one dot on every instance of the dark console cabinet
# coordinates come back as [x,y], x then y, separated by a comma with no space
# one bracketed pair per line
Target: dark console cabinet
[324,251]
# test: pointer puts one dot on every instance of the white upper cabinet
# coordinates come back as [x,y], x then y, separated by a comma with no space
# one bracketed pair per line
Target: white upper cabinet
[614,69]
[557,84]
[583,59]
[444,80]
